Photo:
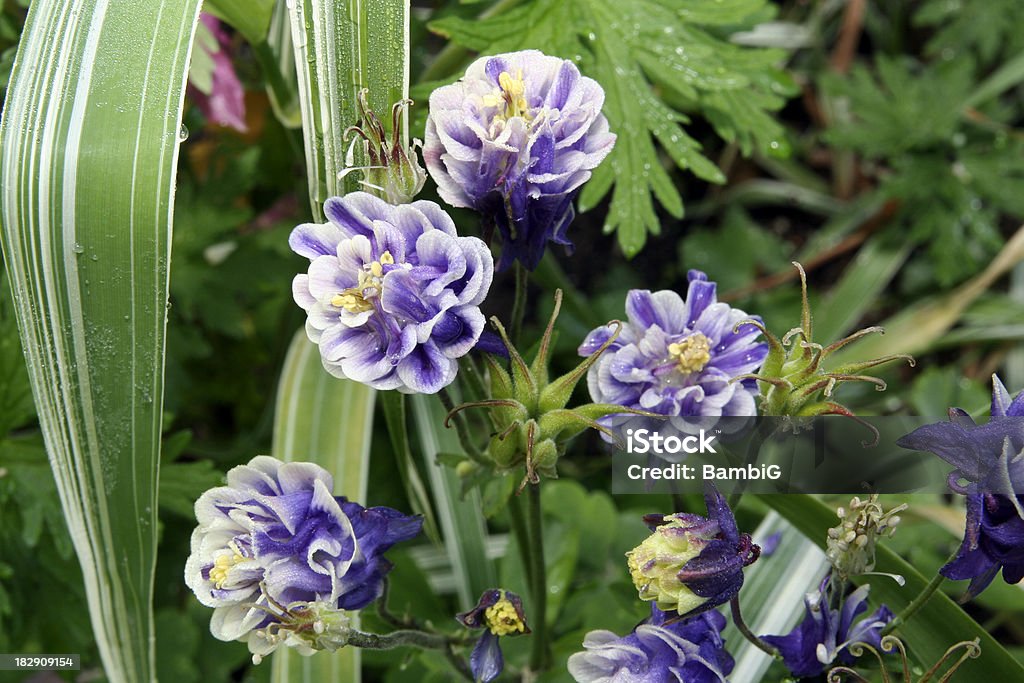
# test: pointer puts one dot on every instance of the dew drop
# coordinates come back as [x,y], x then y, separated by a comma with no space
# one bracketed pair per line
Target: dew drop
[79,248]
[183,133]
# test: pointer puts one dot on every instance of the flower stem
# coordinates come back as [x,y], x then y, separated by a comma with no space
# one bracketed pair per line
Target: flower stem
[917,603]
[539,654]
[462,427]
[403,638]
[741,626]
[519,530]
[519,303]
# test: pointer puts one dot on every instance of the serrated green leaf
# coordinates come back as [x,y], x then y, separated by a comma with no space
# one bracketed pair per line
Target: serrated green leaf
[94,110]
[630,46]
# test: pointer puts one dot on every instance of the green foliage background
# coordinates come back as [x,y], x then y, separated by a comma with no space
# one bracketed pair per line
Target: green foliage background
[748,137]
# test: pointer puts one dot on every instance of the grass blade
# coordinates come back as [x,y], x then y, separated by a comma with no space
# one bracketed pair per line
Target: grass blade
[462,522]
[773,593]
[342,46]
[88,156]
[329,421]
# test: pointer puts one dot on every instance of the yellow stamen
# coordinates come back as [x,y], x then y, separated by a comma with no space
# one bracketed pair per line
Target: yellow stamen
[354,299]
[692,353]
[223,564]
[512,93]
[502,618]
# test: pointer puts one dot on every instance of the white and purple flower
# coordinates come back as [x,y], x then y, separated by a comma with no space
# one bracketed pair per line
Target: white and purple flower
[276,537]
[685,650]
[825,635]
[515,138]
[678,357]
[392,293]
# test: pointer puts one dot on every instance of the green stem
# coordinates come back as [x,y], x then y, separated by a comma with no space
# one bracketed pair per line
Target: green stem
[403,638]
[741,626]
[462,428]
[519,530]
[519,304]
[918,602]
[539,655]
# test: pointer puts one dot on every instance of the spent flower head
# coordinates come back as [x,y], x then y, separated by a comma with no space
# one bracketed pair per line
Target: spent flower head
[515,138]
[392,293]
[392,170]
[795,380]
[851,544]
[527,409]
[692,563]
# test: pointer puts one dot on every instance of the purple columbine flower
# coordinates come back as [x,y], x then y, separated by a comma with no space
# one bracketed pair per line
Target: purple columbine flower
[275,536]
[984,456]
[691,563]
[393,293]
[515,138]
[658,650]
[499,613]
[678,357]
[824,636]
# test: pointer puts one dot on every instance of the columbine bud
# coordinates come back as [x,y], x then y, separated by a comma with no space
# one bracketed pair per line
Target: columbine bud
[851,544]
[392,170]
[794,380]
[692,563]
[528,409]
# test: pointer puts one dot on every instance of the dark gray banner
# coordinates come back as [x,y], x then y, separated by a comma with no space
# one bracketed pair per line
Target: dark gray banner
[830,454]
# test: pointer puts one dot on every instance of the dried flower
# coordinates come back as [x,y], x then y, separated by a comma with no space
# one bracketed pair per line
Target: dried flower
[515,138]
[392,294]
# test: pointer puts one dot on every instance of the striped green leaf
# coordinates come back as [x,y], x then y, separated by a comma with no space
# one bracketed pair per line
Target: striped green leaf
[342,46]
[329,421]
[461,518]
[88,153]
[773,592]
